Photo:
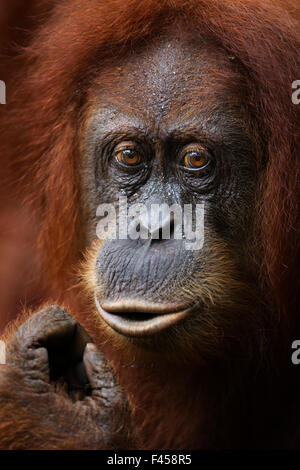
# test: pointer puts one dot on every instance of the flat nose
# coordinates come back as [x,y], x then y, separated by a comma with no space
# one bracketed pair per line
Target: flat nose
[153,222]
[158,221]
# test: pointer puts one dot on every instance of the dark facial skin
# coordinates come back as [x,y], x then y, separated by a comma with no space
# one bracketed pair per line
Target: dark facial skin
[165,106]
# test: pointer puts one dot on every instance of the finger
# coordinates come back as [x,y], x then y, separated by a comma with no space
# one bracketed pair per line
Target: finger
[103,383]
[27,350]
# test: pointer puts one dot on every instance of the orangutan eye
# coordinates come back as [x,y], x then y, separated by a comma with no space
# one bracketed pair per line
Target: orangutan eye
[196,158]
[127,157]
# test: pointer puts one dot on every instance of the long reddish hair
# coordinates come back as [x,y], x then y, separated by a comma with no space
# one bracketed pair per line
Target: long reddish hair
[51,71]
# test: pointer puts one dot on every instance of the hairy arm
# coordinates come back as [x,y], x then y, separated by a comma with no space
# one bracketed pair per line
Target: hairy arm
[57,390]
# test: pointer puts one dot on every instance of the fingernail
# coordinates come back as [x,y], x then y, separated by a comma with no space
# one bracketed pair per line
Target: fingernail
[91,347]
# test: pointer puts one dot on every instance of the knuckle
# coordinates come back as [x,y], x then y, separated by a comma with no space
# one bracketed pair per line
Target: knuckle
[46,318]
[39,327]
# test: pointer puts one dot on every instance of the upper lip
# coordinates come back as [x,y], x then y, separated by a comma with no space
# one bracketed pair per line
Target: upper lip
[124,317]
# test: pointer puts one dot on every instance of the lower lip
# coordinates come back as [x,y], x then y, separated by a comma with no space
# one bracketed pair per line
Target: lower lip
[154,325]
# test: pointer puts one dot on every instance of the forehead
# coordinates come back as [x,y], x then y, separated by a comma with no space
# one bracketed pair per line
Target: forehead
[174,77]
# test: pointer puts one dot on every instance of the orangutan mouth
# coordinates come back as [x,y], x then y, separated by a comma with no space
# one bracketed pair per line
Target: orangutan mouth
[138,319]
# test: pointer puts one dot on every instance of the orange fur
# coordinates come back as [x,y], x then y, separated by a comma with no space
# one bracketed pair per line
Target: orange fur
[48,76]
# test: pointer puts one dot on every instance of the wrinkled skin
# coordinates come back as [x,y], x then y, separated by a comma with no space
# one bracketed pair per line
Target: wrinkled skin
[183,102]
[44,377]
[194,97]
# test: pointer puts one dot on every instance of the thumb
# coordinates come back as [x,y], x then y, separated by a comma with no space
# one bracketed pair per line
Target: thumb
[103,383]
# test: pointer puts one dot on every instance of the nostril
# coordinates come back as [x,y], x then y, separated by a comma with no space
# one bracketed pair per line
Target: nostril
[166,228]
[172,226]
[159,225]
[166,232]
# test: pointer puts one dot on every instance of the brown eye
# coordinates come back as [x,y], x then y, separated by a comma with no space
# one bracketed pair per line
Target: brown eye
[128,157]
[195,160]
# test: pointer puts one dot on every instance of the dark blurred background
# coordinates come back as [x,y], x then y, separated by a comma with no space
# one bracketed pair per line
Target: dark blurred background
[19,267]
